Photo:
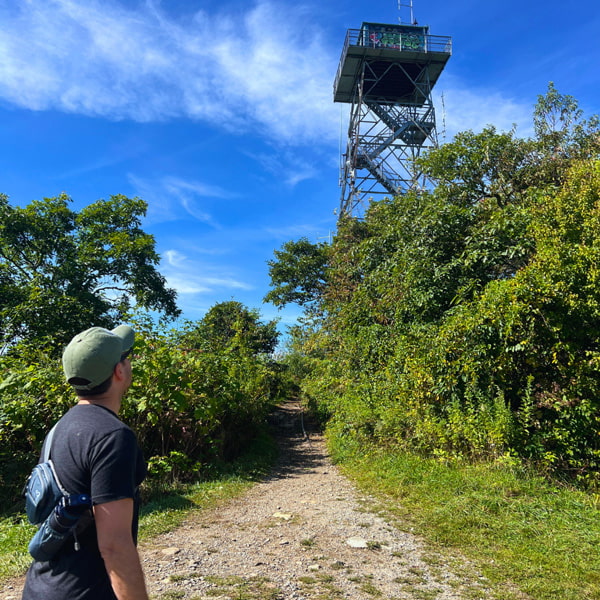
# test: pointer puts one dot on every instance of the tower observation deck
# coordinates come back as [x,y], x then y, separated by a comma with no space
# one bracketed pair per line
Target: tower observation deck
[387,73]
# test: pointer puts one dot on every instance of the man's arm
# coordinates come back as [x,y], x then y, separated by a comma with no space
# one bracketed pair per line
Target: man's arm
[121,559]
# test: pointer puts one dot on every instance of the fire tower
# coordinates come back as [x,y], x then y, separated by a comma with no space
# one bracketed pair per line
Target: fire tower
[386,73]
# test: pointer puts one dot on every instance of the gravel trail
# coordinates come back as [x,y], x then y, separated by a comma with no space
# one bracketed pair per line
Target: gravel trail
[302,533]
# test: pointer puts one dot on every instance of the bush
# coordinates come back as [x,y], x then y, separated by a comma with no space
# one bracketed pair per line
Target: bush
[189,409]
[510,365]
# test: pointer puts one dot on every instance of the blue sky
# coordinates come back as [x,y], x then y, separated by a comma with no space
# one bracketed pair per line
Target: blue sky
[220,114]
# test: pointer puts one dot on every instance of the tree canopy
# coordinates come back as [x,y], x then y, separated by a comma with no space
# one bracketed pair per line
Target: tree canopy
[232,327]
[62,270]
[298,274]
[465,319]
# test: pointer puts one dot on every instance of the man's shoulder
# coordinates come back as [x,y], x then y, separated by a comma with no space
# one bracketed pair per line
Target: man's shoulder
[88,425]
[92,415]
[88,436]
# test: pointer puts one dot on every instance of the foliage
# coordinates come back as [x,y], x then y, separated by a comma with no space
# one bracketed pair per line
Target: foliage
[62,271]
[482,165]
[34,395]
[231,327]
[561,130]
[190,409]
[298,274]
[189,405]
[464,320]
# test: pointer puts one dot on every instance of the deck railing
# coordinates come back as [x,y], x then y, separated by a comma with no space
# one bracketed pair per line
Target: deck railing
[395,40]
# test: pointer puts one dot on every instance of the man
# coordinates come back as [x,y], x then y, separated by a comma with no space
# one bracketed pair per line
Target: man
[96,454]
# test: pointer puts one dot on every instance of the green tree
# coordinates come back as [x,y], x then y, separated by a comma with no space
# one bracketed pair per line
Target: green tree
[62,270]
[560,127]
[475,166]
[562,135]
[299,273]
[232,327]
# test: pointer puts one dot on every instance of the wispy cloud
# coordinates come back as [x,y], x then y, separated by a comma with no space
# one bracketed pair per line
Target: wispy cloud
[318,232]
[184,286]
[190,276]
[186,283]
[255,70]
[228,283]
[252,69]
[170,198]
[288,167]
[104,162]
[174,258]
[461,109]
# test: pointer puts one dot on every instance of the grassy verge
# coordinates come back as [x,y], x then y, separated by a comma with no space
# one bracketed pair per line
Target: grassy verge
[15,533]
[162,510]
[521,531]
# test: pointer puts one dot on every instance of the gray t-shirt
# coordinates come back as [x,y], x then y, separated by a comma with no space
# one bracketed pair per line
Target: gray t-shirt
[97,454]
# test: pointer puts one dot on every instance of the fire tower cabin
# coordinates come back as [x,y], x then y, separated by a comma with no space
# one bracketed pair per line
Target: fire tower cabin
[418,58]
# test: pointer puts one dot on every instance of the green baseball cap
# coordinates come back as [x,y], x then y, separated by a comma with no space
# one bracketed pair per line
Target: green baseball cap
[92,355]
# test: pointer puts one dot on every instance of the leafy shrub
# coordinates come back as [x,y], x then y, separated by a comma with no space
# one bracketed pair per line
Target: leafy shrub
[464,321]
[189,408]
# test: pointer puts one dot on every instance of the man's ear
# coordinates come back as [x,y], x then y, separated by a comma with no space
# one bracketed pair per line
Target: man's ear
[119,371]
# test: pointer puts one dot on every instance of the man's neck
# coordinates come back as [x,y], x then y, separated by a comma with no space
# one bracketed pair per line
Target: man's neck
[110,402]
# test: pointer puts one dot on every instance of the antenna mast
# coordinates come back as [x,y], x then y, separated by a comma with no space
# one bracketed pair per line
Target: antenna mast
[405,8]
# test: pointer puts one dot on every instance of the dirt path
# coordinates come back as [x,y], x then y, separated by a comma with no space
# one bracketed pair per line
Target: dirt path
[302,533]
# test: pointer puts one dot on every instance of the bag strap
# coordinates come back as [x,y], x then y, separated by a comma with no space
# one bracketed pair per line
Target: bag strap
[48,444]
[46,458]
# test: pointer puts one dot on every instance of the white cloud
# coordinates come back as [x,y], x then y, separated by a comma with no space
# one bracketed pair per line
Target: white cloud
[189,276]
[175,258]
[266,69]
[319,232]
[463,109]
[287,167]
[228,283]
[100,58]
[185,287]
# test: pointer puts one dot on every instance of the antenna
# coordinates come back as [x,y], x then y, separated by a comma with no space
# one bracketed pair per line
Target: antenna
[405,7]
[443,118]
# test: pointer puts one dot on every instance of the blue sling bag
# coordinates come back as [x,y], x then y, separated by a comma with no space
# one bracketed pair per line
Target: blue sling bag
[49,505]
[43,489]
